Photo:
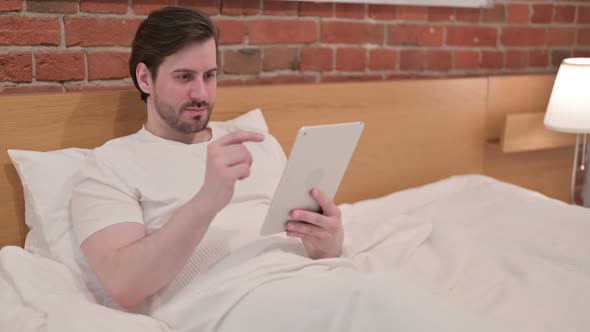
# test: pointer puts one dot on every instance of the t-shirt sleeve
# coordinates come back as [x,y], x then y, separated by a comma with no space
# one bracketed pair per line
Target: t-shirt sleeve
[101,198]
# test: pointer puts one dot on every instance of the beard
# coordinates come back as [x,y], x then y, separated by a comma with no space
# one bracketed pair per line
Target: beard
[172,117]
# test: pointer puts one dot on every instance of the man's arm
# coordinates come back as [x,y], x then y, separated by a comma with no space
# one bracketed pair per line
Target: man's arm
[132,266]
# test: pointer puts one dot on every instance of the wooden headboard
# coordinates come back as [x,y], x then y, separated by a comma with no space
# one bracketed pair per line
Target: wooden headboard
[417,131]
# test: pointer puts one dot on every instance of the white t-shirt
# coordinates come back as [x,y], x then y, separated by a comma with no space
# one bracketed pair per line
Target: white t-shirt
[144,178]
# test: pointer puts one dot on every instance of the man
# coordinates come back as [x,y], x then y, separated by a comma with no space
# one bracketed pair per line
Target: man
[174,65]
[168,218]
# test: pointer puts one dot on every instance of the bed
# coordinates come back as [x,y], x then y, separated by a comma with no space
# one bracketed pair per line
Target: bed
[430,192]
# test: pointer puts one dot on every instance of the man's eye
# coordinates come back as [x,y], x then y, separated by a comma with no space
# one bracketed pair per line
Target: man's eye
[210,75]
[184,77]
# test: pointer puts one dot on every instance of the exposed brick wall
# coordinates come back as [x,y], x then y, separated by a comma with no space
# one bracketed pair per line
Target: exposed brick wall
[66,45]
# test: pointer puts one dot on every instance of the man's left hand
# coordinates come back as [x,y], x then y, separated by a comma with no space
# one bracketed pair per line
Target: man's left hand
[321,234]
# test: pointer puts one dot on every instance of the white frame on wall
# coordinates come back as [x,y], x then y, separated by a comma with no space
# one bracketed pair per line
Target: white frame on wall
[441,3]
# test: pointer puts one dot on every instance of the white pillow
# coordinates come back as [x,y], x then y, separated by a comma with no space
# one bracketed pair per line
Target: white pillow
[251,120]
[46,178]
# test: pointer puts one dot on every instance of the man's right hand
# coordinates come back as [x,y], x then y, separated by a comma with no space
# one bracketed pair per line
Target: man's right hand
[228,160]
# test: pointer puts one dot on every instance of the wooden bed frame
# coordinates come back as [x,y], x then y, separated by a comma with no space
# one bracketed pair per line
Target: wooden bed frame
[417,131]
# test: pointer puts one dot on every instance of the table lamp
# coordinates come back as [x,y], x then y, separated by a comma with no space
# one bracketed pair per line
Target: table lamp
[569,108]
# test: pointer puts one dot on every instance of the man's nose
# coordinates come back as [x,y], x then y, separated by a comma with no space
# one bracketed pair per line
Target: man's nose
[198,90]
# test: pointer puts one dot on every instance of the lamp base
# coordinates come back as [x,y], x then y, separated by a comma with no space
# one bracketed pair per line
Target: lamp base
[580,186]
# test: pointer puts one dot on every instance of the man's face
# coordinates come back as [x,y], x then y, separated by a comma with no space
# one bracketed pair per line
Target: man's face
[185,88]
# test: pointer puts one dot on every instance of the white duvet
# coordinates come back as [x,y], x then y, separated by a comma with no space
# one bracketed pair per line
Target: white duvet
[508,255]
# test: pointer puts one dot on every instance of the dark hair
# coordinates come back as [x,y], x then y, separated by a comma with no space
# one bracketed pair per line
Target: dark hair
[163,33]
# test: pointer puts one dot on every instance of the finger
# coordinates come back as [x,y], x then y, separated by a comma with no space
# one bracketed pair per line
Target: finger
[234,154]
[310,217]
[326,203]
[305,237]
[240,171]
[330,224]
[240,136]
[307,229]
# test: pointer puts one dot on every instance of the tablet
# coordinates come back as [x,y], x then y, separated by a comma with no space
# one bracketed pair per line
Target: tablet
[318,159]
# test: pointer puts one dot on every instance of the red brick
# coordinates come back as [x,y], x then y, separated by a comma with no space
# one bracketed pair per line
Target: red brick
[542,13]
[350,10]
[467,15]
[351,59]
[144,7]
[240,7]
[523,36]
[108,65]
[581,53]
[91,31]
[16,67]
[104,7]
[60,66]
[471,36]
[320,9]
[11,5]
[382,12]
[285,79]
[413,13]
[412,60]
[561,36]
[330,78]
[316,58]
[584,36]
[496,14]
[415,35]
[584,14]
[382,59]
[438,60]
[282,31]
[441,14]
[278,58]
[352,33]
[210,7]
[243,61]
[492,59]
[45,6]
[519,13]
[280,8]
[31,89]
[516,59]
[538,59]
[20,30]
[425,60]
[564,14]
[466,60]
[230,31]
[557,56]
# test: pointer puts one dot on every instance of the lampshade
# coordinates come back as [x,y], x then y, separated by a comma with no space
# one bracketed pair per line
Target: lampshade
[569,107]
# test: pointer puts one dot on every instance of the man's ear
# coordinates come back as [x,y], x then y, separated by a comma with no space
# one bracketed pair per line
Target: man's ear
[144,78]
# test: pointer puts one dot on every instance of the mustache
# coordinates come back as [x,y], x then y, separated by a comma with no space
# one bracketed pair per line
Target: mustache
[197,104]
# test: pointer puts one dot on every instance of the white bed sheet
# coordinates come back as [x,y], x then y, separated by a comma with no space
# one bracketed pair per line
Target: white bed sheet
[502,252]
[38,294]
